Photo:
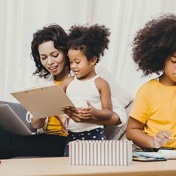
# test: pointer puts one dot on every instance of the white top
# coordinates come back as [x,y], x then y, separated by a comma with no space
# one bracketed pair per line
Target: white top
[79,92]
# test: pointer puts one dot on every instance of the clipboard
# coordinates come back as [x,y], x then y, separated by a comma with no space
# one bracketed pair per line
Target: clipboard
[43,101]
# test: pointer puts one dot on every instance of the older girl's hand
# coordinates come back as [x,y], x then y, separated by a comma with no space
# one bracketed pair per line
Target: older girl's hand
[161,138]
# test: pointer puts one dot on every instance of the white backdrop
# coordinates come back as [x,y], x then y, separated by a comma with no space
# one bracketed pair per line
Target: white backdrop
[21,18]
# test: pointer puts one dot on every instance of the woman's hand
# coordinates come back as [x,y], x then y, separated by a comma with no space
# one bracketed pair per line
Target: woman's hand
[63,121]
[162,138]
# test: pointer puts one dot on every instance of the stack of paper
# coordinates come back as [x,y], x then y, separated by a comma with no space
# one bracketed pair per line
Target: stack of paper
[161,155]
[148,156]
[94,152]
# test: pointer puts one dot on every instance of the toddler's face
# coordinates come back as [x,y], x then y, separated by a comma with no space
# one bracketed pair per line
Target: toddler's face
[81,67]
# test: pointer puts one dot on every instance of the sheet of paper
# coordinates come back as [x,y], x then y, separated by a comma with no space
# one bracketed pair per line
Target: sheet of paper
[149,154]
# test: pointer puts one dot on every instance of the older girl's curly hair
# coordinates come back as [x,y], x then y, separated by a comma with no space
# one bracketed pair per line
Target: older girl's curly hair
[154,43]
[91,40]
[54,33]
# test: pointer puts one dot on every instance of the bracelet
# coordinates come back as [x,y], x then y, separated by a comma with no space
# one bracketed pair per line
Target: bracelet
[150,149]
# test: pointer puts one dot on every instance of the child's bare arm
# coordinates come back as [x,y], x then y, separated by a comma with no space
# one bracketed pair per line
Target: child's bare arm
[38,122]
[106,103]
[135,133]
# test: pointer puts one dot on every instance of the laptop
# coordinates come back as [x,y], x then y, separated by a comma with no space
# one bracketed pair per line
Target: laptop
[10,122]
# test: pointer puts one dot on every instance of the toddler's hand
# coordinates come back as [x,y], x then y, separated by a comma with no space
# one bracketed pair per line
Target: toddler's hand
[87,112]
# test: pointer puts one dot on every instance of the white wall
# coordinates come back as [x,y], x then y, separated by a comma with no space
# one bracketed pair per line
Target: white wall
[21,18]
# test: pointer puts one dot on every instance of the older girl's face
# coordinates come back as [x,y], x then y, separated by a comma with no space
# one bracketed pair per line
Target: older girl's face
[169,75]
[51,58]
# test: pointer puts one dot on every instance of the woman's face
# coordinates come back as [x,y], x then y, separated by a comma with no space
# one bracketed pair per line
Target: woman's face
[51,58]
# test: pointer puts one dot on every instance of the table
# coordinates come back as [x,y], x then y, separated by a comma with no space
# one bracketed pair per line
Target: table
[59,166]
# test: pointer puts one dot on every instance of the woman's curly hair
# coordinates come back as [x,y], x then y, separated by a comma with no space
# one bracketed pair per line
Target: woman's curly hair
[154,43]
[91,40]
[54,33]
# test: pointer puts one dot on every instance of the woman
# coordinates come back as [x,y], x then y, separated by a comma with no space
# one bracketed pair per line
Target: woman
[51,143]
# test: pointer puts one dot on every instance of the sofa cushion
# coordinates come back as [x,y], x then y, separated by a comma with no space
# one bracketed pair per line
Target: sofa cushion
[115,132]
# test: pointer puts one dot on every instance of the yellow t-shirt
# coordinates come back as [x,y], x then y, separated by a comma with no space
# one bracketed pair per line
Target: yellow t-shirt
[155,106]
[53,124]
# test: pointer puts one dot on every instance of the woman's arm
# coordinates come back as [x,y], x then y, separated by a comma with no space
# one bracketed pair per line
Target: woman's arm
[38,122]
[113,121]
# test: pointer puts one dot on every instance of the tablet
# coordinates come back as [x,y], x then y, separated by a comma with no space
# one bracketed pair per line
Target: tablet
[44,101]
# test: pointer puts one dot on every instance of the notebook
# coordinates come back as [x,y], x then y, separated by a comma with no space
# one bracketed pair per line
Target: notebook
[10,122]
[43,101]
[148,156]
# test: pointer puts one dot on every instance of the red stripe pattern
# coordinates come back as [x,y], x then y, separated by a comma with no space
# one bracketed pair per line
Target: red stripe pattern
[100,152]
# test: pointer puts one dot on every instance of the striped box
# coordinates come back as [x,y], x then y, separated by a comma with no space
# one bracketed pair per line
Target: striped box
[108,152]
